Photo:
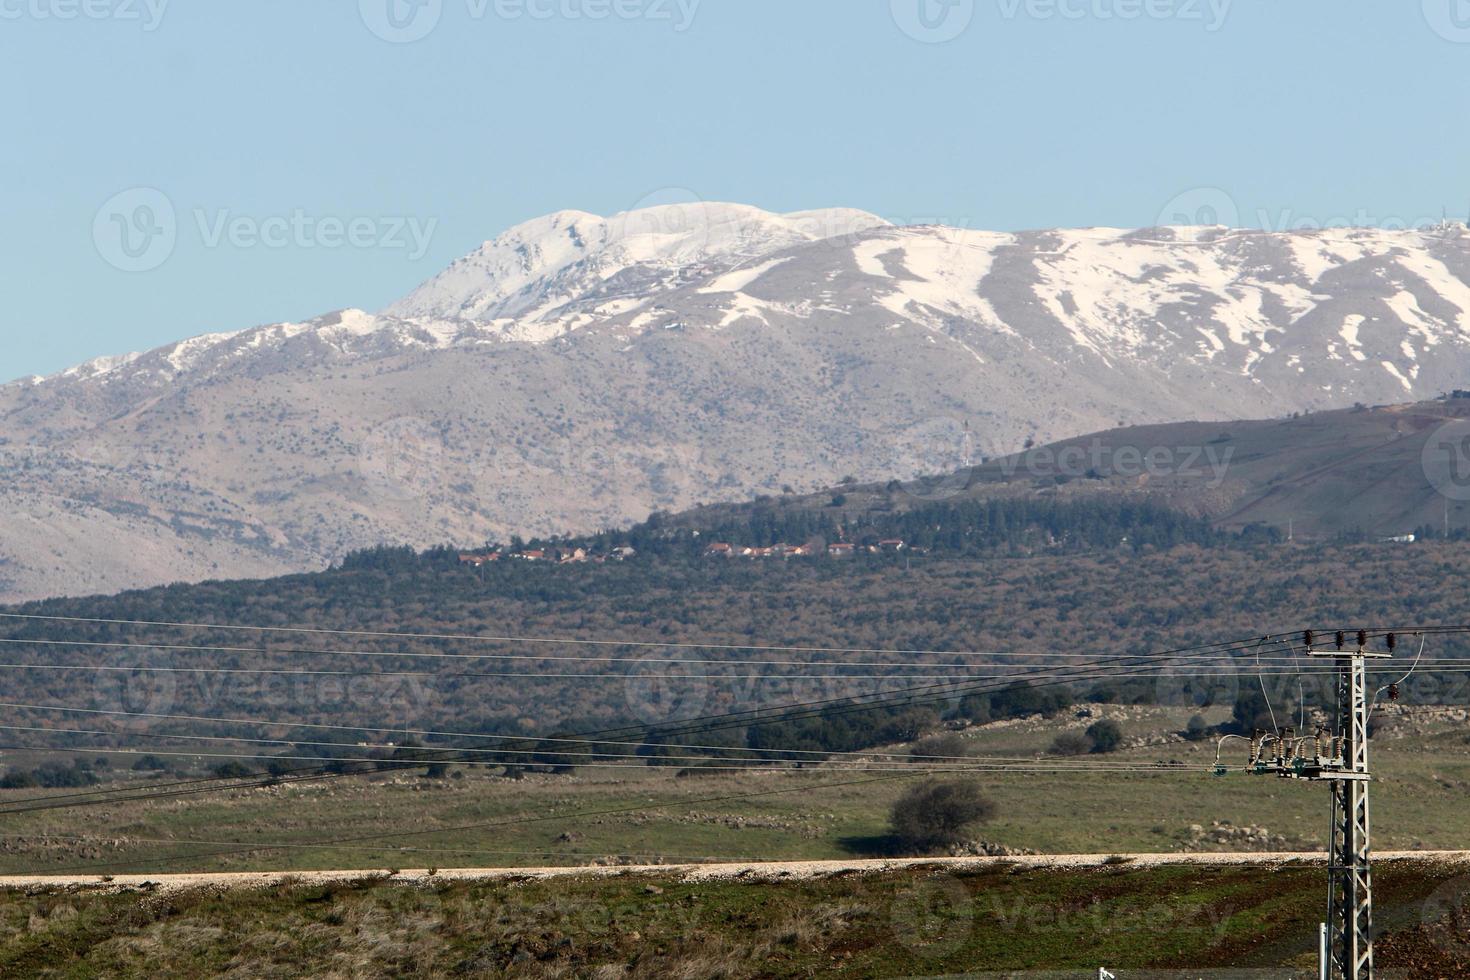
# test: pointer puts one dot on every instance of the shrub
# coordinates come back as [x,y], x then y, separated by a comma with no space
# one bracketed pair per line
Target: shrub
[949,744]
[1070,743]
[1105,736]
[1196,728]
[937,814]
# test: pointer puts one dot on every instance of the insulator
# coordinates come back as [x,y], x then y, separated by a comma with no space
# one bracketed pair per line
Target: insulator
[1307,639]
[1341,639]
[1362,638]
[1392,641]
[1393,692]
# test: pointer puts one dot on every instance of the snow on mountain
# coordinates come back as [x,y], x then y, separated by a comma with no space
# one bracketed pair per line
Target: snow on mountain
[580,371]
[536,272]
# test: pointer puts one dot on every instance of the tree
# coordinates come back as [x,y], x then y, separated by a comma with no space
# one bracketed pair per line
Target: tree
[1105,735]
[937,814]
[1251,712]
[1196,728]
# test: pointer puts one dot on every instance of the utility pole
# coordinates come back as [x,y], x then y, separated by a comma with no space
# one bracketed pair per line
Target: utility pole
[1339,758]
[1349,870]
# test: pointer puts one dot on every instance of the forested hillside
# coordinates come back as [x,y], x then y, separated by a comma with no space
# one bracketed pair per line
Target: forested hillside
[536,648]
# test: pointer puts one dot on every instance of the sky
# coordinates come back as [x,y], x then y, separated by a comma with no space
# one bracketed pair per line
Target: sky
[178,167]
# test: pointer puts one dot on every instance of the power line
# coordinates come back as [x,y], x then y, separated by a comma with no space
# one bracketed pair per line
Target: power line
[1183,653]
[569,641]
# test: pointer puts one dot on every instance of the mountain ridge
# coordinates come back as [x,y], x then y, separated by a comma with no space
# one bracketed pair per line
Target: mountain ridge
[604,368]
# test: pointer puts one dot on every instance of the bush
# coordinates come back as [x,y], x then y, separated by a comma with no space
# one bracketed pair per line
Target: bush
[1105,736]
[1196,728]
[150,763]
[17,779]
[949,744]
[937,814]
[1070,743]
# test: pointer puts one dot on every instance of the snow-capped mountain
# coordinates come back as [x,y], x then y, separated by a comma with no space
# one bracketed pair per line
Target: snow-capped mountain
[578,372]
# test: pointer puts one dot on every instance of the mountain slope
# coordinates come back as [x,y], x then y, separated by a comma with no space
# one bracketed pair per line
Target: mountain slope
[1383,471]
[577,372]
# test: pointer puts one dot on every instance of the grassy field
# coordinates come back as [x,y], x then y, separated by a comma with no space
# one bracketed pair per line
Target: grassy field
[1027,922]
[916,922]
[650,815]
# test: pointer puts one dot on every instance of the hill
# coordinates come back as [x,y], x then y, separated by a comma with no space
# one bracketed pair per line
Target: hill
[1367,471]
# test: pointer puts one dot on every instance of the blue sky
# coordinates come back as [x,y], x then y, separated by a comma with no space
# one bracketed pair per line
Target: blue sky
[317,154]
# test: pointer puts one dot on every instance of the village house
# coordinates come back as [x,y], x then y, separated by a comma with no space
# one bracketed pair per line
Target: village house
[841,549]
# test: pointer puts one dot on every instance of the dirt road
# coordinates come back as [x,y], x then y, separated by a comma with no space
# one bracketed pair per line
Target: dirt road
[772,871]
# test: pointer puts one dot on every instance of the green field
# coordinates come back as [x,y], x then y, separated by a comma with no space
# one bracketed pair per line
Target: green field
[1241,921]
[655,815]
[914,922]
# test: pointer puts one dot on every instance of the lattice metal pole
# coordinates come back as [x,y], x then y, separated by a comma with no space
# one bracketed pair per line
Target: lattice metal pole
[1350,889]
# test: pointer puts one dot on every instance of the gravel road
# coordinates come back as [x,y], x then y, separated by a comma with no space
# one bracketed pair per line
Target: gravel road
[772,871]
